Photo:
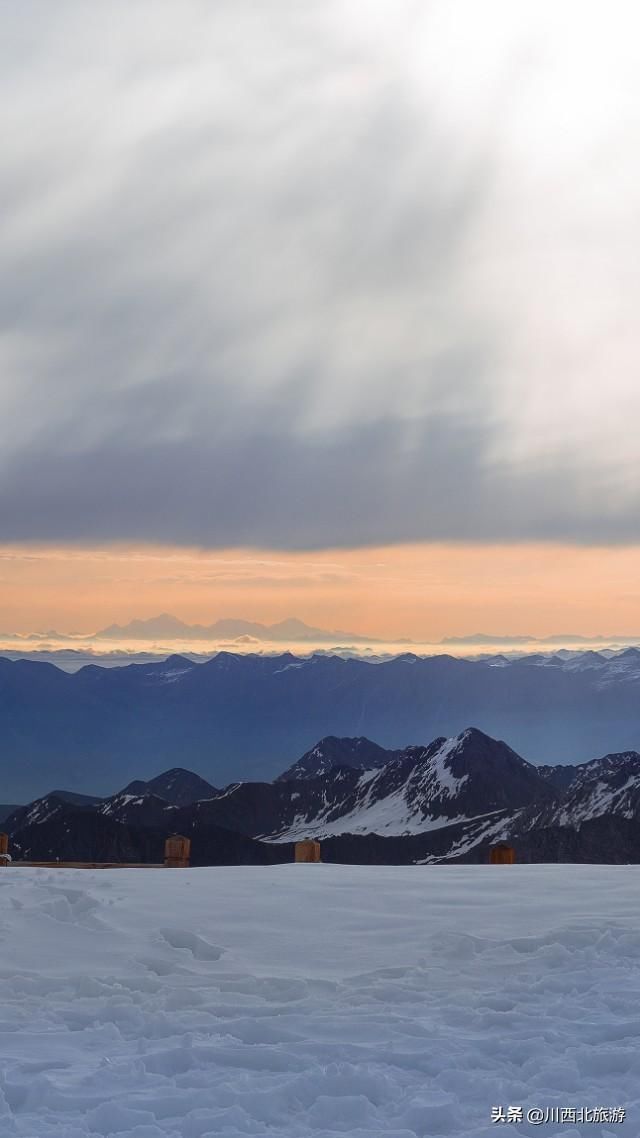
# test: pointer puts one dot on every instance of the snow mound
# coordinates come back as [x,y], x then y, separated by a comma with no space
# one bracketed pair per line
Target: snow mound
[316,1000]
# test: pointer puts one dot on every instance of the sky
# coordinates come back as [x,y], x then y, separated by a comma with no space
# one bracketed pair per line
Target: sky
[344,284]
[393,592]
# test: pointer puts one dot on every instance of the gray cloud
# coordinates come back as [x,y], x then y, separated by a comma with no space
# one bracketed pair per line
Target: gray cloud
[381,481]
[264,283]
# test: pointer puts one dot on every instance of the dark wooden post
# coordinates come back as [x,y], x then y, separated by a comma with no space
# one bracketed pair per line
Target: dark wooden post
[308,851]
[177,851]
[4,850]
[503,854]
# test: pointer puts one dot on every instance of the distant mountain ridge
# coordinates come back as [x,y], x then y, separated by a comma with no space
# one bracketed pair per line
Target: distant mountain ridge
[167,627]
[486,638]
[447,801]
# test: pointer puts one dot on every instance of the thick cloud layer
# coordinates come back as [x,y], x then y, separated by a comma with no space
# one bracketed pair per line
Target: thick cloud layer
[324,274]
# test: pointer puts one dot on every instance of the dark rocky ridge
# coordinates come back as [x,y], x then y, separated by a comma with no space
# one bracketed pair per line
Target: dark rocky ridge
[178,786]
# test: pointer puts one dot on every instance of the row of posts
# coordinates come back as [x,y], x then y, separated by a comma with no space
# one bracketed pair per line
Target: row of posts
[500,854]
[177,852]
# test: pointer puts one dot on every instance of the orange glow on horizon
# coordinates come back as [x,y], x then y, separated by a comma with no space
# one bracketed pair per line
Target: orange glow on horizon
[420,592]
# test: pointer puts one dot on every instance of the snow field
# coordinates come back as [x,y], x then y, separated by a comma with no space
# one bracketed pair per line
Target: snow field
[321,1000]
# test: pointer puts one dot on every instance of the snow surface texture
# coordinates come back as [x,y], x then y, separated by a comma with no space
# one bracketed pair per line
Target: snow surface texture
[319,1000]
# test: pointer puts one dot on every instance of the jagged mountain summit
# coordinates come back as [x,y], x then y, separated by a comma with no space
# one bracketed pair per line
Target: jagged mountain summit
[447,801]
[357,754]
[177,786]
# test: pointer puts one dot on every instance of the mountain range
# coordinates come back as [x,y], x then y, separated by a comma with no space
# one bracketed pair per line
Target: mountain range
[167,627]
[248,717]
[486,638]
[449,800]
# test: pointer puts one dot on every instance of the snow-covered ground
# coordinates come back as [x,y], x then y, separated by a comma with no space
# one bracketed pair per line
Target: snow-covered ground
[317,1000]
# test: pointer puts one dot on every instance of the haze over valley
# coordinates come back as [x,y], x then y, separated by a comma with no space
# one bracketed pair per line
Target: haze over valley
[241,716]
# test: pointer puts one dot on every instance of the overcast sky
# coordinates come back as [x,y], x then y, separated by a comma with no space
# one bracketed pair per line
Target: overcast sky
[306,275]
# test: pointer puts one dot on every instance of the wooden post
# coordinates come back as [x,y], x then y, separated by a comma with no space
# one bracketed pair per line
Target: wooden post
[503,854]
[4,851]
[177,851]
[308,851]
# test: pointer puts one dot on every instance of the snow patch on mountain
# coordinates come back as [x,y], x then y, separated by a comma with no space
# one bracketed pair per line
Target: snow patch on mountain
[441,768]
[118,802]
[42,811]
[488,828]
